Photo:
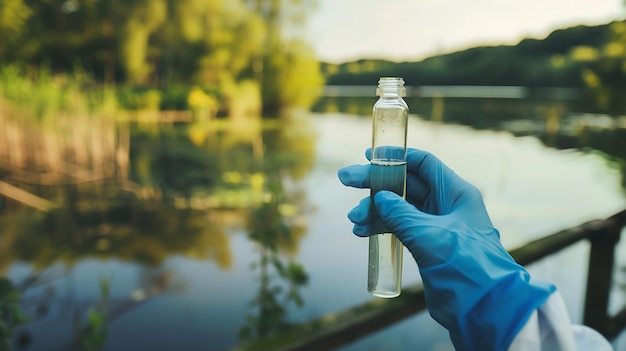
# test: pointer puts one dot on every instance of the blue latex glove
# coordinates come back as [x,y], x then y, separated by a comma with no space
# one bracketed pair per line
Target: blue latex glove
[473,287]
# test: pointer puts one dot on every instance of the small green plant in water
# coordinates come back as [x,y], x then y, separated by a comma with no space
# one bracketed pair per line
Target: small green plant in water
[280,279]
[93,335]
[10,314]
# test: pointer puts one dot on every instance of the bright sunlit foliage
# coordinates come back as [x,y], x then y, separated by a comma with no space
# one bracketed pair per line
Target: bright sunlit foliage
[584,53]
[213,44]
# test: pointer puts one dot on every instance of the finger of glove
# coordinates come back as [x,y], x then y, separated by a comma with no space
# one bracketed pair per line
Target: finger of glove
[356,176]
[360,213]
[360,217]
[425,235]
[398,215]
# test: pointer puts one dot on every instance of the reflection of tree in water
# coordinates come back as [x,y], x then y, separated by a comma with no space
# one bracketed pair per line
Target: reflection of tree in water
[99,221]
[185,195]
[138,233]
[145,235]
[609,143]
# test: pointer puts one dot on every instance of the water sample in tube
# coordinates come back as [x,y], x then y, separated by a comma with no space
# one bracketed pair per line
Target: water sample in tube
[387,172]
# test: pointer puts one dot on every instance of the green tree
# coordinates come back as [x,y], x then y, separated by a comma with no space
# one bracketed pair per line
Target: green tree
[222,27]
[287,69]
[228,46]
[142,18]
[212,44]
[14,15]
[605,72]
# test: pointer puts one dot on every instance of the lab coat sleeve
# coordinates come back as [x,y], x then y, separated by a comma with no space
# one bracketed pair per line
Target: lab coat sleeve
[549,329]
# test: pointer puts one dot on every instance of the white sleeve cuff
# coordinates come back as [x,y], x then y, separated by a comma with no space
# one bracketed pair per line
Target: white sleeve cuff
[549,329]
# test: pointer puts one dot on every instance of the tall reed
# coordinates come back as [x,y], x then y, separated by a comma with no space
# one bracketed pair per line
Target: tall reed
[41,95]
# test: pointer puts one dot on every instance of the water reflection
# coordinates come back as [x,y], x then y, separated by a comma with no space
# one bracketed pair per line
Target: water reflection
[47,310]
[232,197]
[609,143]
[559,123]
[140,194]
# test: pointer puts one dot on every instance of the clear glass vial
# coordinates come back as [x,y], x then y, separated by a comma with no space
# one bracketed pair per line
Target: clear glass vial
[387,172]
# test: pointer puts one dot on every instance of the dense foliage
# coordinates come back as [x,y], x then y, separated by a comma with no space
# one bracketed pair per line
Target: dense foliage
[215,44]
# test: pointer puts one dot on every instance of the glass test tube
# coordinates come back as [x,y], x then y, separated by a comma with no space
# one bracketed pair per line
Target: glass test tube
[387,172]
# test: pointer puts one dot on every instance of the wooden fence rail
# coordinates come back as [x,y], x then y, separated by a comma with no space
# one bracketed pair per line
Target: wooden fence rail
[341,328]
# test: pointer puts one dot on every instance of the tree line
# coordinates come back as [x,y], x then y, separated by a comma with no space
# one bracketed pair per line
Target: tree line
[215,44]
[587,57]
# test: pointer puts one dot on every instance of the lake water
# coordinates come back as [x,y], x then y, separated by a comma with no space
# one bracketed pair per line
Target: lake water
[234,232]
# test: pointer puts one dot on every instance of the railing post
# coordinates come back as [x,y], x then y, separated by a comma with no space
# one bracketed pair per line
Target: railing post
[599,278]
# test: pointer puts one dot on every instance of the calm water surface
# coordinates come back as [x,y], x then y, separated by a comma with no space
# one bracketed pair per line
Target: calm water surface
[238,232]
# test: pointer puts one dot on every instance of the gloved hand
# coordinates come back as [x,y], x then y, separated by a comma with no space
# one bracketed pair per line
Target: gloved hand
[473,287]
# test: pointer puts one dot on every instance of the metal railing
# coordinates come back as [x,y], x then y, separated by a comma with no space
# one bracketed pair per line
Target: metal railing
[341,328]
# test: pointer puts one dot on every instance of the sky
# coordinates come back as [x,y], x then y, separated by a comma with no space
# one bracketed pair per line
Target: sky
[410,30]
